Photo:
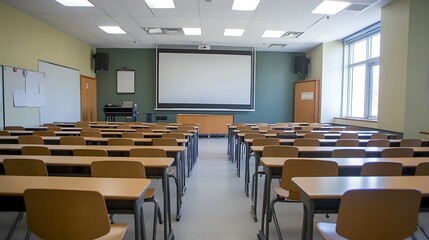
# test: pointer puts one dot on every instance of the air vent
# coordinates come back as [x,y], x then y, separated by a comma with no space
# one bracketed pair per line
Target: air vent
[356,7]
[292,34]
[277,45]
[162,31]
[172,31]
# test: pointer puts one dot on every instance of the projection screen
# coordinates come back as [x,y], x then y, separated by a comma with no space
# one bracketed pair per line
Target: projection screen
[205,80]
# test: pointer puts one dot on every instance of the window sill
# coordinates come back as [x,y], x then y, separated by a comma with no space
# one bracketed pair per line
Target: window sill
[356,119]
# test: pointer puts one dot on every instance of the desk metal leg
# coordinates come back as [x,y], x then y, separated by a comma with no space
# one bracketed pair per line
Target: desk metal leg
[255,186]
[139,228]
[307,223]
[265,221]
[246,168]
[168,231]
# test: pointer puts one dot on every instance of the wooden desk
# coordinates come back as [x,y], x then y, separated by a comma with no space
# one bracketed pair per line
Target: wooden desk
[323,194]
[208,123]
[155,168]
[129,192]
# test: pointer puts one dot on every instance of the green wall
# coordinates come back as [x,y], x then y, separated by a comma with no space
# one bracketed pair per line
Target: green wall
[274,85]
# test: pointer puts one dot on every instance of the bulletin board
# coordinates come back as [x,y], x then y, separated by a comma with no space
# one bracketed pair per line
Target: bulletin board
[125,80]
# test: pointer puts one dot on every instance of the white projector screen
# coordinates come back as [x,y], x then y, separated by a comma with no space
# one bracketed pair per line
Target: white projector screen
[205,80]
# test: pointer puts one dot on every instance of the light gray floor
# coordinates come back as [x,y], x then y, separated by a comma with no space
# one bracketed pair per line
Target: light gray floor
[215,206]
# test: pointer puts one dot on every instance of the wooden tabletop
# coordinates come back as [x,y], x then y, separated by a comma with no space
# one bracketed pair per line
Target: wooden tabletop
[104,147]
[331,148]
[86,161]
[335,187]
[92,139]
[110,188]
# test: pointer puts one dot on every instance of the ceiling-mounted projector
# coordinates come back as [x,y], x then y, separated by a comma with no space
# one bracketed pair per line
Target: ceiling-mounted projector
[204,47]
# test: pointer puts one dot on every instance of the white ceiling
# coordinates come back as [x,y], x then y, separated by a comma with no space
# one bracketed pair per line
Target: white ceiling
[212,16]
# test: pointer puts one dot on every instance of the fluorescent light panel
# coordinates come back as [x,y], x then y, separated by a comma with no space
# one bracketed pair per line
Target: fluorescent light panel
[245,5]
[192,31]
[75,3]
[160,3]
[273,34]
[112,29]
[330,7]
[233,32]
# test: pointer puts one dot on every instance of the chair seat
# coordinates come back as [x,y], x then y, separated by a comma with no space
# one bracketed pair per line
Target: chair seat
[150,192]
[281,192]
[117,232]
[328,232]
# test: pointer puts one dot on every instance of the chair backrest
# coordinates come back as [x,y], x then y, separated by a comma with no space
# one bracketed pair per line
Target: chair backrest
[397,152]
[352,128]
[280,151]
[66,214]
[378,136]
[81,124]
[265,141]
[378,143]
[24,167]
[410,143]
[90,133]
[422,169]
[314,135]
[174,135]
[164,142]
[142,130]
[349,136]
[54,129]
[4,133]
[253,135]
[17,128]
[44,133]
[30,139]
[120,141]
[348,153]
[158,126]
[347,143]
[304,168]
[90,152]
[271,131]
[183,131]
[374,214]
[287,135]
[306,142]
[72,140]
[132,135]
[118,169]
[35,150]
[185,127]
[147,152]
[381,169]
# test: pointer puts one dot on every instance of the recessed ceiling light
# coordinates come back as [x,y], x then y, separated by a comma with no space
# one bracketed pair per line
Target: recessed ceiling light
[277,45]
[112,29]
[160,3]
[245,5]
[233,32]
[292,34]
[330,7]
[192,31]
[154,30]
[273,34]
[75,3]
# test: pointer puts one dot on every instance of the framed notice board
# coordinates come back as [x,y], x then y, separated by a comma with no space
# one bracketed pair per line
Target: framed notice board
[125,80]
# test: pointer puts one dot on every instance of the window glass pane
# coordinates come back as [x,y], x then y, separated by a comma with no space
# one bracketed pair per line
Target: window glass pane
[358,91]
[374,93]
[359,51]
[375,46]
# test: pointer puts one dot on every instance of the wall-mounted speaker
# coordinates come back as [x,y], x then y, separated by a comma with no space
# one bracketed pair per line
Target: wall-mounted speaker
[300,64]
[102,61]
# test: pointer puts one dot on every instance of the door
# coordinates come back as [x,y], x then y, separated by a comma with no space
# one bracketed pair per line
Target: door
[306,108]
[88,98]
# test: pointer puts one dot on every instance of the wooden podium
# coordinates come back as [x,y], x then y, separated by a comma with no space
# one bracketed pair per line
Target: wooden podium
[208,123]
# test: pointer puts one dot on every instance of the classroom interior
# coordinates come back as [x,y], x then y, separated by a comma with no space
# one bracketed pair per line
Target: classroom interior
[215,206]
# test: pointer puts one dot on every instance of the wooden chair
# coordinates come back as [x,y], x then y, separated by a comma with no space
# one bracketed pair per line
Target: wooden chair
[348,153]
[157,126]
[120,141]
[347,143]
[15,128]
[164,142]
[69,215]
[306,142]
[127,169]
[379,136]
[132,135]
[422,169]
[30,139]
[349,136]
[91,133]
[351,128]
[397,152]
[314,135]
[90,152]
[174,135]
[280,151]
[410,143]
[54,129]
[265,141]
[374,214]
[378,143]
[25,167]
[381,169]
[35,150]
[44,133]
[4,133]
[287,191]
[142,130]
[81,124]
[185,127]
[72,140]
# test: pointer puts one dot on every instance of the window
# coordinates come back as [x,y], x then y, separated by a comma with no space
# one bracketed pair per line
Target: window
[362,70]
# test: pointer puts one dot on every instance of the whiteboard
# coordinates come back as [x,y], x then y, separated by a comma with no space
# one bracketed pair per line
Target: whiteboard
[62,94]
[14,80]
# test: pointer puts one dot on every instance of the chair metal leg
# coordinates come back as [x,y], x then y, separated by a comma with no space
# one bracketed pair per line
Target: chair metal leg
[111,219]
[272,214]
[13,227]
[178,203]
[422,229]
[28,234]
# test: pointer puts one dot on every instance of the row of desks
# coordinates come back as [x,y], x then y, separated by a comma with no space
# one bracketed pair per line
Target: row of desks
[321,195]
